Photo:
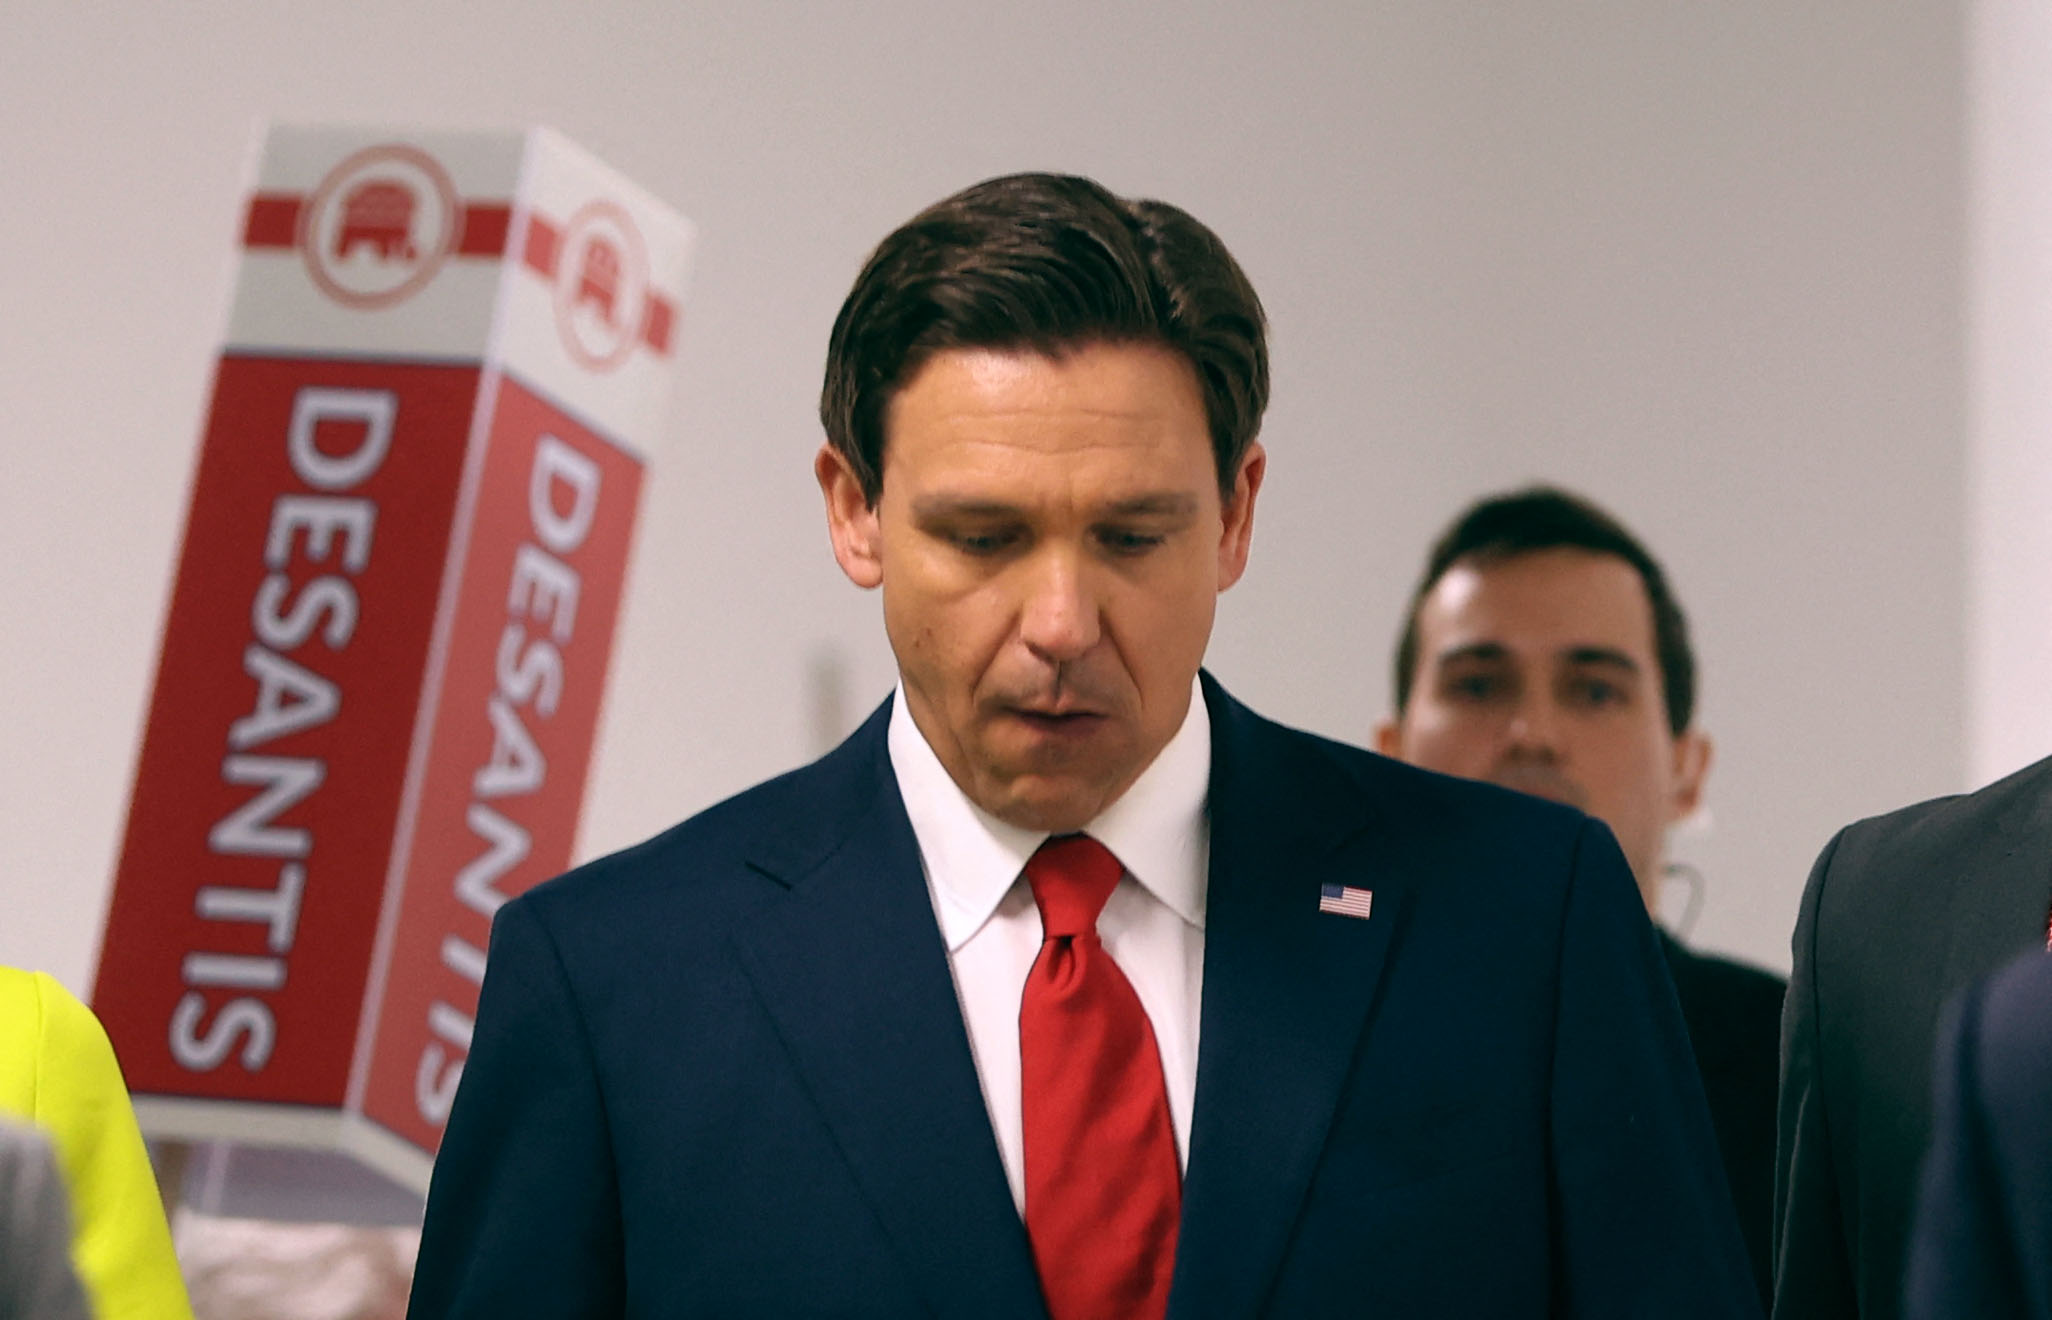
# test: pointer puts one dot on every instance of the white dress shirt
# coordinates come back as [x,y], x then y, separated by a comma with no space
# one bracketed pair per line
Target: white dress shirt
[1153,924]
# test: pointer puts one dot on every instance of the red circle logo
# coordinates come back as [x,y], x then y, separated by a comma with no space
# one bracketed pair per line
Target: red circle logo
[601,291]
[379,226]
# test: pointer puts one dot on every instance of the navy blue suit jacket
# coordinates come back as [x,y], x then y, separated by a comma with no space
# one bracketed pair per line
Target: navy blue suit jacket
[1982,1246]
[724,1073]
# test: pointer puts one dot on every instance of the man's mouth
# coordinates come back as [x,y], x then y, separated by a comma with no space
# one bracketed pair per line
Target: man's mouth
[1058,720]
[1541,781]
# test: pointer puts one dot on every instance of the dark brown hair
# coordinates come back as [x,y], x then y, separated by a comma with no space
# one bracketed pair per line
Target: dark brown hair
[1045,262]
[1539,518]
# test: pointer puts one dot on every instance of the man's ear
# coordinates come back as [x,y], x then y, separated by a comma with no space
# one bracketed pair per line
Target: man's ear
[1692,754]
[1389,739]
[851,519]
[1238,515]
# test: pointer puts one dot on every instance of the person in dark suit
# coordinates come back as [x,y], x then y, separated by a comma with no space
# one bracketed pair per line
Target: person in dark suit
[1545,651]
[1981,1245]
[1068,986]
[1901,912]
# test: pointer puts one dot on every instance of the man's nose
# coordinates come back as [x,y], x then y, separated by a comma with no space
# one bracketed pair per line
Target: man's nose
[1058,620]
[1535,727]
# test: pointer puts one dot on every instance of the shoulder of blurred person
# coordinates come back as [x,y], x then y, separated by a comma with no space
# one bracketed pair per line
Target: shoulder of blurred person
[1984,1215]
[58,1071]
[1901,912]
[37,1281]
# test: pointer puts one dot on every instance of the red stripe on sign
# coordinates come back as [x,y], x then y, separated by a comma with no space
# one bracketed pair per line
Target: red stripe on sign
[484,229]
[656,326]
[273,220]
[542,242]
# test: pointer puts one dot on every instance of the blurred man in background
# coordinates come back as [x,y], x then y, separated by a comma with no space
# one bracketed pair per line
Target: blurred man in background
[1544,651]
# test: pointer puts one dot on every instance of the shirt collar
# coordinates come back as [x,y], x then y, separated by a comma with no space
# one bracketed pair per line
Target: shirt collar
[1157,828]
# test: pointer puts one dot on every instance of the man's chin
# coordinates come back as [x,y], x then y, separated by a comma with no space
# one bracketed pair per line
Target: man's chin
[1056,804]
[1057,779]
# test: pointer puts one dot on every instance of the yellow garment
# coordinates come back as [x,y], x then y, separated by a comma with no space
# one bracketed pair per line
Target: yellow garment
[58,1071]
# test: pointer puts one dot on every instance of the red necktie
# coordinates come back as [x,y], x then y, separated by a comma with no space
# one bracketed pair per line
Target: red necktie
[1103,1189]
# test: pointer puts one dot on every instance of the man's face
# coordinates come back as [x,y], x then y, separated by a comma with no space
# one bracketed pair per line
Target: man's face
[1051,543]
[1538,672]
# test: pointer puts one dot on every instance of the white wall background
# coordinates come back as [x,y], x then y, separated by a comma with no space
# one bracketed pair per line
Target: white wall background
[2009,386]
[1704,262]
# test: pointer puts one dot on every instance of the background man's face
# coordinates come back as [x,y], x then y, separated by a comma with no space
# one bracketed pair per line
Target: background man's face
[1051,544]
[1538,672]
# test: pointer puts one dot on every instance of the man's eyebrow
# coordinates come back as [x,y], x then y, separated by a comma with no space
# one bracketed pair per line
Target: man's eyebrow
[1600,655]
[1474,651]
[927,508]
[1164,504]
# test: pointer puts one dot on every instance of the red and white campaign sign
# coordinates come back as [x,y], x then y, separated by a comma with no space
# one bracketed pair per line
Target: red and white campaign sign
[388,637]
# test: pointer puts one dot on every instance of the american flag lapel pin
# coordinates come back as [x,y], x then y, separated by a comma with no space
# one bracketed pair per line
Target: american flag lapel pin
[1345,900]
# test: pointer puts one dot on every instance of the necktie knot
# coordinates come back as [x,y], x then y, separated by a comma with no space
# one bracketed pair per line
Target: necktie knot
[1071,876]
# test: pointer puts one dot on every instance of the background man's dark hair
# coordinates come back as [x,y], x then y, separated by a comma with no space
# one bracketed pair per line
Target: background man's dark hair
[1045,262]
[1546,518]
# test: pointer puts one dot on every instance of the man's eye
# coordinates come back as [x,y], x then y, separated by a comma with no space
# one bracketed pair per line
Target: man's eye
[1597,692]
[1125,541]
[983,543]
[1473,687]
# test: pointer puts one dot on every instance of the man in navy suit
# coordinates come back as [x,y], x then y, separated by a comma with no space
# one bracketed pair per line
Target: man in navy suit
[1982,1245]
[1068,986]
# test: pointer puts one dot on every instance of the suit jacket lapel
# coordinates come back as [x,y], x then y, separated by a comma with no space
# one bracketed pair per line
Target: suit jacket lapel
[851,967]
[1287,989]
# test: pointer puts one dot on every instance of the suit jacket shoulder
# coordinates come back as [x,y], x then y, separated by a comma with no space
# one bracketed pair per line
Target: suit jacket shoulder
[1893,851]
[1901,912]
[702,877]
